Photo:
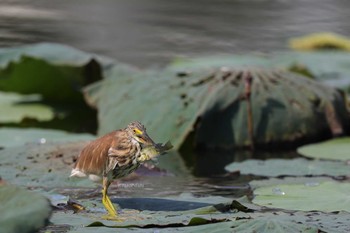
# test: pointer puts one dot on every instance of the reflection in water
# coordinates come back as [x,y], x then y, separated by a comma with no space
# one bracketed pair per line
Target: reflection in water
[208,162]
[147,33]
[165,186]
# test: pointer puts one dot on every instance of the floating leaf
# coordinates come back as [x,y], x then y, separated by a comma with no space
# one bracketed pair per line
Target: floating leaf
[17,107]
[325,196]
[162,106]
[320,41]
[10,137]
[308,181]
[293,167]
[34,157]
[335,149]
[55,71]
[194,216]
[184,221]
[210,103]
[273,224]
[46,166]
[291,221]
[21,210]
[330,67]
[44,158]
[167,220]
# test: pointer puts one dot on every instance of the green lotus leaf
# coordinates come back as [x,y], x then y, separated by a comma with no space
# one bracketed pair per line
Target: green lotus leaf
[37,157]
[292,167]
[148,97]
[166,220]
[17,107]
[187,221]
[190,215]
[327,196]
[183,212]
[207,105]
[10,137]
[170,214]
[79,224]
[293,221]
[330,67]
[335,149]
[273,224]
[307,181]
[56,72]
[45,166]
[22,211]
[52,52]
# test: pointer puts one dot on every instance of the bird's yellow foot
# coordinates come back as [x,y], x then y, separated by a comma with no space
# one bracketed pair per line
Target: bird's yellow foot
[108,204]
[123,217]
[112,212]
[116,218]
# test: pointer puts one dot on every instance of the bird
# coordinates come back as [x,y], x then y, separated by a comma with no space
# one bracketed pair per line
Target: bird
[112,156]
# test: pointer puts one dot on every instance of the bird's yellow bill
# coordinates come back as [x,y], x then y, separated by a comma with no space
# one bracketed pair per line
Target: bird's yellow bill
[138,132]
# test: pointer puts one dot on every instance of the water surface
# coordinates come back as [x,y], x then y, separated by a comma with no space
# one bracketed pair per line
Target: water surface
[153,32]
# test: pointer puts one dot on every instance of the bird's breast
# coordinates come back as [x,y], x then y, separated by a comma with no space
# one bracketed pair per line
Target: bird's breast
[121,171]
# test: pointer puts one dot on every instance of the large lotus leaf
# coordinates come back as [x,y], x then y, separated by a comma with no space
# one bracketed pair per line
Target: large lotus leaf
[56,72]
[171,219]
[167,105]
[41,166]
[41,158]
[255,222]
[324,195]
[16,107]
[31,111]
[270,224]
[54,53]
[335,149]
[146,219]
[332,67]
[307,181]
[285,106]
[136,221]
[291,221]
[21,210]
[274,224]
[44,158]
[196,220]
[293,167]
[10,137]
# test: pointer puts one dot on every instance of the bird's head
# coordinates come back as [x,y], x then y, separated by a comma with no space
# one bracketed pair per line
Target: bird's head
[138,132]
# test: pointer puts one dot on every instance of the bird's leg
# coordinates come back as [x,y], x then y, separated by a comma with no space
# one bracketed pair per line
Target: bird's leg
[112,213]
[105,199]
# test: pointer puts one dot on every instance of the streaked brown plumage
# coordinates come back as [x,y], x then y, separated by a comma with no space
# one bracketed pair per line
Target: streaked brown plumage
[112,156]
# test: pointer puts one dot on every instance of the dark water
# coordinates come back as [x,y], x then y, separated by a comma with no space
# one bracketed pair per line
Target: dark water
[152,32]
